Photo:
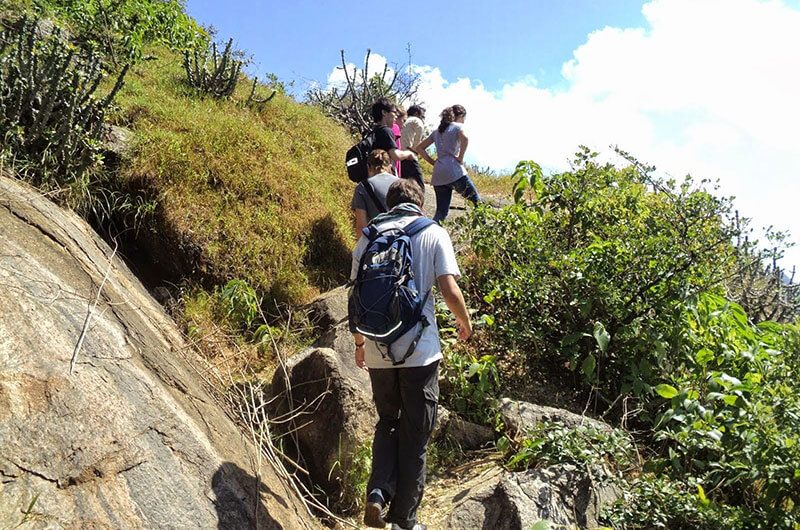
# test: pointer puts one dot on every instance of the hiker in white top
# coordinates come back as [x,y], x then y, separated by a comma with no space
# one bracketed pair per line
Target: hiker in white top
[449,172]
[413,130]
[412,133]
[406,396]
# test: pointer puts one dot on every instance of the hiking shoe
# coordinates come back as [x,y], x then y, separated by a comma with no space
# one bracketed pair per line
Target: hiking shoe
[417,526]
[375,510]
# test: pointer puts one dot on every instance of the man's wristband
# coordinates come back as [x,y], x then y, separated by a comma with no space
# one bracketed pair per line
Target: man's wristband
[360,345]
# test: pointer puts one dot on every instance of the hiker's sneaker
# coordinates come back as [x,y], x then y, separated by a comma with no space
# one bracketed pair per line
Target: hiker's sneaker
[375,511]
[417,526]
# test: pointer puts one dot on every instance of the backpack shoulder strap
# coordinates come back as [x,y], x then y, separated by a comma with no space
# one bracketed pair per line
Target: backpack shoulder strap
[417,225]
[374,196]
[371,231]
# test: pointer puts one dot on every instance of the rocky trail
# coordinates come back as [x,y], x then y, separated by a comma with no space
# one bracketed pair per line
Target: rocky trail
[107,421]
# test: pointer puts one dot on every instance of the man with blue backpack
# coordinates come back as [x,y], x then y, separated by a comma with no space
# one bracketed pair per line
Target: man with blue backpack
[391,314]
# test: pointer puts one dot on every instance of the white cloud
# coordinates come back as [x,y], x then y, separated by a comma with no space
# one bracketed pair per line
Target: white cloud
[709,87]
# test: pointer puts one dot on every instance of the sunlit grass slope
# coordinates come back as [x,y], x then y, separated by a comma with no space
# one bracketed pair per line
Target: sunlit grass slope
[259,193]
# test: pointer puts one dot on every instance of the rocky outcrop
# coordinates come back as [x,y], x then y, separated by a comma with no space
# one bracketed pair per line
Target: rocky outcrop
[130,438]
[562,494]
[333,400]
[520,414]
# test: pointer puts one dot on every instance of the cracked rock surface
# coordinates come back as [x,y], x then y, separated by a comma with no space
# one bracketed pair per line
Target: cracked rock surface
[131,438]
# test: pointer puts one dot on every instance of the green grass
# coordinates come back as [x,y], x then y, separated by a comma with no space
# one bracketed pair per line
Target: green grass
[260,191]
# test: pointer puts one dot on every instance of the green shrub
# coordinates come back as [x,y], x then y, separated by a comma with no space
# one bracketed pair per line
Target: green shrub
[732,419]
[122,28]
[241,303]
[547,444]
[589,269]
[473,386]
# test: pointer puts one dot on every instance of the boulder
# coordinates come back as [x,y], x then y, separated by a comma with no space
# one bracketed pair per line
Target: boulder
[519,414]
[328,310]
[468,435]
[562,494]
[128,437]
[333,399]
[117,144]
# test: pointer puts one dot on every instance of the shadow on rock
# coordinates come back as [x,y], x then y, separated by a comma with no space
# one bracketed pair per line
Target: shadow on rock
[238,500]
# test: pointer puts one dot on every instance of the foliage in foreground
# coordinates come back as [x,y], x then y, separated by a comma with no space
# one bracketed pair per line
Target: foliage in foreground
[616,274]
[590,271]
[732,422]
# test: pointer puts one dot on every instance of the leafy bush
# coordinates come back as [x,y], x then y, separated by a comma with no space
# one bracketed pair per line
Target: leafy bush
[733,415]
[547,444]
[473,386]
[590,268]
[122,28]
[241,303]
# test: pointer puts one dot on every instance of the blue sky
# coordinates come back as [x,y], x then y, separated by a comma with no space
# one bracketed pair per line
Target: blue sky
[495,42]
[706,87]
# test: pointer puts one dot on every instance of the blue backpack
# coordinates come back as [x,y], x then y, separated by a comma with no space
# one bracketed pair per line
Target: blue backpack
[385,302]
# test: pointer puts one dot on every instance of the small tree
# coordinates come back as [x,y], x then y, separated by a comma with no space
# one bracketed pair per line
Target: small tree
[351,104]
[765,290]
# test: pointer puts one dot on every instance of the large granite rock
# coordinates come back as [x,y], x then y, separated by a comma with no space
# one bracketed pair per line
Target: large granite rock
[518,415]
[562,494]
[333,399]
[131,438]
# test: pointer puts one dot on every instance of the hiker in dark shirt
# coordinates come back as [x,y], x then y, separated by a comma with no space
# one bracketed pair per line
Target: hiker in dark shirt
[379,169]
[384,113]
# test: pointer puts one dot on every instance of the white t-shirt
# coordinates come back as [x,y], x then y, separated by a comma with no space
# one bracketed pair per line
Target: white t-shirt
[412,133]
[433,257]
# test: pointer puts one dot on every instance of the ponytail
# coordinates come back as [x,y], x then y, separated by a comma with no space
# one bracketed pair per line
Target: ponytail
[449,115]
[447,118]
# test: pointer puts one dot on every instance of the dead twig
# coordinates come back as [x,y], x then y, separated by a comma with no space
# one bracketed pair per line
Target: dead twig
[91,310]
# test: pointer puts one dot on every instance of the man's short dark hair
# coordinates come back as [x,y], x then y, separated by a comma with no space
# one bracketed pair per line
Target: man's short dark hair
[382,104]
[404,190]
[416,110]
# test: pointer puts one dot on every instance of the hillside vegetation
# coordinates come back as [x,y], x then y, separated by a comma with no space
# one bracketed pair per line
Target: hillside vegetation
[256,194]
[602,289]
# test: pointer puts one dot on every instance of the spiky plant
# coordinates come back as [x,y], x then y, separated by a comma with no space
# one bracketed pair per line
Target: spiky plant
[50,116]
[215,74]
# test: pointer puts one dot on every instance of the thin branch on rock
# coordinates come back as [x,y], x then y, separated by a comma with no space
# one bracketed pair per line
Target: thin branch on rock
[91,309]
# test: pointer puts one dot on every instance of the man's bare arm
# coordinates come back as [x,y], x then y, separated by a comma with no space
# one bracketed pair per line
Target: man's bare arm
[361,221]
[401,154]
[455,303]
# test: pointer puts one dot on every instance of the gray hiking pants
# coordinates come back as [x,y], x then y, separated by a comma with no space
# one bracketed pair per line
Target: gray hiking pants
[407,400]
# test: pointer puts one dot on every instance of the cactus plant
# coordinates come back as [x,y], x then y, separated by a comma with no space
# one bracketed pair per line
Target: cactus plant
[215,75]
[49,114]
[252,97]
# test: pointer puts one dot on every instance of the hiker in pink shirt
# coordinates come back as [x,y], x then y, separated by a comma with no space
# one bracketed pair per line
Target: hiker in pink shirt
[397,128]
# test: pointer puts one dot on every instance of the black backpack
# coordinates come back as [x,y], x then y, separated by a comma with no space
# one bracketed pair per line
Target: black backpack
[356,158]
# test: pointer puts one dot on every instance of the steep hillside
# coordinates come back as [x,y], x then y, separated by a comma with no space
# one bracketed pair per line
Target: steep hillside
[255,193]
